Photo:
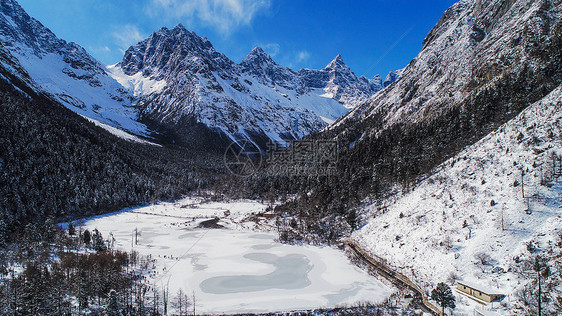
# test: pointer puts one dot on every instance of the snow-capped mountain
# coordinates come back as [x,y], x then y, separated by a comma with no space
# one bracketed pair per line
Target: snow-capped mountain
[260,65]
[182,81]
[476,48]
[64,70]
[391,77]
[176,81]
[341,84]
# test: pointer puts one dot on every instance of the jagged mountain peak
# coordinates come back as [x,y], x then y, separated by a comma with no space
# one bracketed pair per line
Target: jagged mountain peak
[180,34]
[12,8]
[16,26]
[338,58]
[180,27]
[260,64]
[392,77]
[337,64]
[257,55]
[169,52]
[258,51]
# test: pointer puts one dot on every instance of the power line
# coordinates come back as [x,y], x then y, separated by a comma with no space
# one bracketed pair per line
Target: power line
[183,255]
[389,50]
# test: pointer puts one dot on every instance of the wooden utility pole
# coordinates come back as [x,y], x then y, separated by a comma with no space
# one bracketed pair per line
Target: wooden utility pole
[539,276]
[522,183]
[502,220]
[193,295]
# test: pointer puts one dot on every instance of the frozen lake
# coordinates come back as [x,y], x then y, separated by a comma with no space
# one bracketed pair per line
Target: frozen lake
[236,269]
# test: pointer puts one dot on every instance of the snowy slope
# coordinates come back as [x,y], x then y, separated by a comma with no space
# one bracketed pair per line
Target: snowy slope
[435,232]
[65,71]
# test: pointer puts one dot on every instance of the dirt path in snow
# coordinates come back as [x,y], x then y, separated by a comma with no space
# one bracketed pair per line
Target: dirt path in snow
[393,276]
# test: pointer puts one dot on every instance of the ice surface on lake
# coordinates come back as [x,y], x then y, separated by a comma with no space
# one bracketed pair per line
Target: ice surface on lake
[236,269]
[291,272]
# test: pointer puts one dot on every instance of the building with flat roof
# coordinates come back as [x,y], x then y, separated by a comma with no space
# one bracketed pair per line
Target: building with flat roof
[479,292]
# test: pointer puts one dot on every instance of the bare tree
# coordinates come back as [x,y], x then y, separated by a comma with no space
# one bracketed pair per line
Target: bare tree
[482,260]
[182,303]
[165,297]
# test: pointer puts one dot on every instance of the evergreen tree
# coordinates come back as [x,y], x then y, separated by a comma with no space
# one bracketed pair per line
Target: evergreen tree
[97,241]
[443,295]
[71,229]
[49,229]
[87,237]
[113,306]
[352,219]
[3,234]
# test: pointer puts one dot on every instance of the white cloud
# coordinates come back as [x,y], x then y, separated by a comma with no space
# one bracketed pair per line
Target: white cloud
[302,56]
[102,49]
[127,35]
[223,15]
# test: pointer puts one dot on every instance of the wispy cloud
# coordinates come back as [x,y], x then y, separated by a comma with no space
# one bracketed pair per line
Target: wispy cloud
[127,35]
[302,56]
[102,49]
[296,59]
[223,15]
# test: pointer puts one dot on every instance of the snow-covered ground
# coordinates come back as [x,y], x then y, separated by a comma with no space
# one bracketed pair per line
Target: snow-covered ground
[121,133]
[473,205]
[102,102]
[238,268]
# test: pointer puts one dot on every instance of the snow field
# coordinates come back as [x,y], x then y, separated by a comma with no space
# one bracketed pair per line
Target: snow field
[239,268]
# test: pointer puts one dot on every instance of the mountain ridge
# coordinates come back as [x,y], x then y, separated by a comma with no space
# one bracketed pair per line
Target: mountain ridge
[197,84]
[175,83]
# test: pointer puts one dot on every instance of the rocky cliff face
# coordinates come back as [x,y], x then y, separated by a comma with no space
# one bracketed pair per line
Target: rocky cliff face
[182,81]
[506,49]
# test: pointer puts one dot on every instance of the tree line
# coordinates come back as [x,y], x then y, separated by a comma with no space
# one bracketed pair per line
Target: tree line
[55,163]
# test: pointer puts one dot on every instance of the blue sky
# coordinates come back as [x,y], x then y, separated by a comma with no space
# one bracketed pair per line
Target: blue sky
[373,37]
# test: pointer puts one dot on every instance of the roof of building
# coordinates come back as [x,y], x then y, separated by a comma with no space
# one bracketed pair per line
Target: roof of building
[481,288]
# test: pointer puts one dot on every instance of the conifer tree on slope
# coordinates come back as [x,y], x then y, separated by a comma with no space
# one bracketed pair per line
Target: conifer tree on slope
[443,295]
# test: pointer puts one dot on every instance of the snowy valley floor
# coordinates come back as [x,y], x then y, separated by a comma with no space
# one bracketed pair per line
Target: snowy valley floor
[237,268]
